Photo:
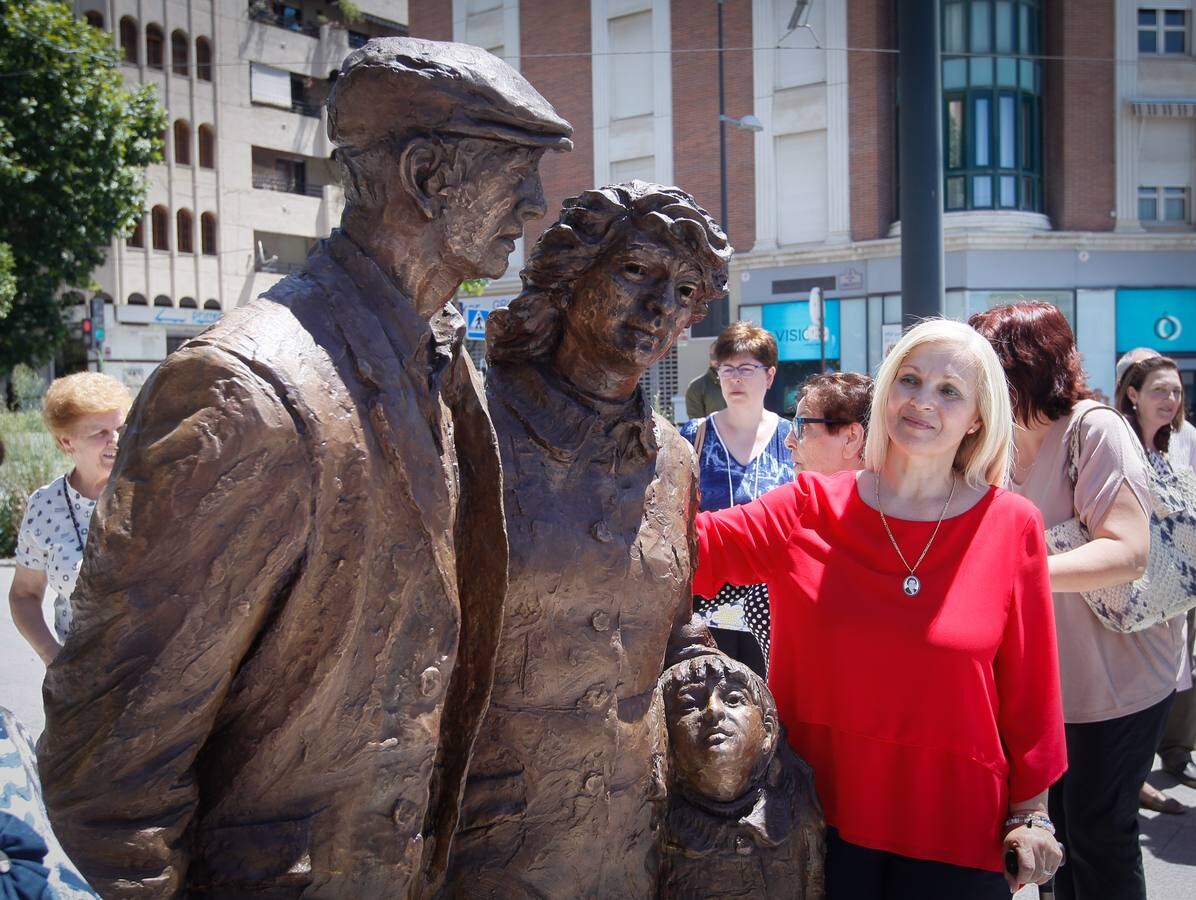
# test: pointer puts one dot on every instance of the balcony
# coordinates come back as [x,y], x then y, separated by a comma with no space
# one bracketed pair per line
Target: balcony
[307,108]
[280,15]
[286,185]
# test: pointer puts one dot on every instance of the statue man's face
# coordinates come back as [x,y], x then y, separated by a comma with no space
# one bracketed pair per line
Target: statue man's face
[484,215]
[633,302]
[717,735]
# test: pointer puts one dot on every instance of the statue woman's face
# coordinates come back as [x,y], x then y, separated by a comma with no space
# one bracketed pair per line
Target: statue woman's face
[631,305]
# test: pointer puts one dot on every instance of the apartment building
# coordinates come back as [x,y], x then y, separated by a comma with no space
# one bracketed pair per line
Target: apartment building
[246,185]
[1069,156]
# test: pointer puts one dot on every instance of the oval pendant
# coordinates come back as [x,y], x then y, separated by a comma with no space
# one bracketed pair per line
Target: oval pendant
[911,586]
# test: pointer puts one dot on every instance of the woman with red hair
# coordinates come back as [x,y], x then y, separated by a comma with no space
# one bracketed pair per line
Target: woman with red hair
[1116,687]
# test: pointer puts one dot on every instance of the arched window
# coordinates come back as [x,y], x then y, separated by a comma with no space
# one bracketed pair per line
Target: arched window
[178,52]
[186,231]
[94,19]
[211,304]
[207,234]
[203,59]
[182,142]
[137,300]
[129,39]
[207,147]
[188,303]
[162,300]
[137,238]
[161,228]
[155,46]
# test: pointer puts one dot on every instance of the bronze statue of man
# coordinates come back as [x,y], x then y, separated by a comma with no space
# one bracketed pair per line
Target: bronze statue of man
[563,796]
[289,606]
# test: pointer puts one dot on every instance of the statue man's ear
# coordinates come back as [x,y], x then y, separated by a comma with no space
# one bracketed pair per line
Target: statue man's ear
[422,172]
[772,730]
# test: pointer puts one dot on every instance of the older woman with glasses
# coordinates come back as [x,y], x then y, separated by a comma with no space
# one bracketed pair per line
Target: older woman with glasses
[741,454]
[831,423]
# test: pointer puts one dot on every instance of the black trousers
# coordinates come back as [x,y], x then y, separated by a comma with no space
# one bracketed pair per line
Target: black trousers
[858,873]
[741,646]
[1095,805]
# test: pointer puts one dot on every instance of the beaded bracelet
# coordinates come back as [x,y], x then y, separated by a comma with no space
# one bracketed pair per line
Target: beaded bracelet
[1031,820]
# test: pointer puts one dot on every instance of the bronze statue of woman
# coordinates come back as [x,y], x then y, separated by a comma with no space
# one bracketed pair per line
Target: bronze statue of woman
[563,794]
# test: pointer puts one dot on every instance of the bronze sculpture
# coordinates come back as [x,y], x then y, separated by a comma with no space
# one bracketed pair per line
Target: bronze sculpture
[564,793]
[289,605]
[743,820]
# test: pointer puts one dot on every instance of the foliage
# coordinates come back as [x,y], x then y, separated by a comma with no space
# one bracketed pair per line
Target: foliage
[350,11]
[31,459]
[473,287]
[28,388]
[74,144]
[8,282]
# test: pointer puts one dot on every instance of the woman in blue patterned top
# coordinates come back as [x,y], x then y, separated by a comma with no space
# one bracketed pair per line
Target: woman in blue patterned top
[742,454]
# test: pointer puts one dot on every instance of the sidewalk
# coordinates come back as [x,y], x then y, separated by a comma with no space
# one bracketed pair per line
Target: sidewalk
[1168,842]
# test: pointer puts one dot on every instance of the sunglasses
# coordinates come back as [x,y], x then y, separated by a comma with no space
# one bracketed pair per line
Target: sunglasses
[800,423]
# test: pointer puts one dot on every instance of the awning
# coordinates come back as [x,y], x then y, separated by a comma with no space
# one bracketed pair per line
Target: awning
[1164,107]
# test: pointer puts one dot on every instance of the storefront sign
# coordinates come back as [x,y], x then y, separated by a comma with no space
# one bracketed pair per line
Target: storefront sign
[796,338]
[1162,318]
[166,315]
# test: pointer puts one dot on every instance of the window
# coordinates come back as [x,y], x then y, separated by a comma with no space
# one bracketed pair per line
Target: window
[991,105]
[188,303]
[269,85]
[1162,31]
[1163,205]
[186,231]
[211,304]
[182,142]
[160,223]
[94,19]
[137,238]
[207,147]
[128,40]
[207,234]
[155,44]
[178,53]
[203,59]
[137,300]
[162,300]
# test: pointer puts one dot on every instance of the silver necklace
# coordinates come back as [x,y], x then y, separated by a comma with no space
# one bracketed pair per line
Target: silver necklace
[755,464]
[912,583]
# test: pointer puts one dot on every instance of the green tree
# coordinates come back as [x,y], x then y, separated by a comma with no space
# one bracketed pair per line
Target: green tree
[74,144]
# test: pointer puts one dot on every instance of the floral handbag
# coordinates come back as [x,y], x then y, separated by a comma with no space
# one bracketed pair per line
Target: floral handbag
[1168,588]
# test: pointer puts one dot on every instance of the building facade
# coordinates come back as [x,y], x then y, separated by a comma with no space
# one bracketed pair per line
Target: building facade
[246,185]
[1069,157]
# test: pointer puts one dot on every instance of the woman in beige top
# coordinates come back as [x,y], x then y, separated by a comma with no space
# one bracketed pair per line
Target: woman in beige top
[1116,687]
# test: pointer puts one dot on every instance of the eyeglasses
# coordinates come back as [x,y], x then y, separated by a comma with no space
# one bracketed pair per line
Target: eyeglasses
[800,423]
[747,370]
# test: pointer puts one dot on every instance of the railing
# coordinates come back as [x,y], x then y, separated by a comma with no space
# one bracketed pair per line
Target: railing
[305,108]
[283,20]
[286,186]
[278,267]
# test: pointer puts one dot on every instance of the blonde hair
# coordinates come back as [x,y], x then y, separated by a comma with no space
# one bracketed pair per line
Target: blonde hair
[982,458]
[82,394]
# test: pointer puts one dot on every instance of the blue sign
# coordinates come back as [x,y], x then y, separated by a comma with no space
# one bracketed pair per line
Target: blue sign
[1162,318]
[475,323]
[796,338]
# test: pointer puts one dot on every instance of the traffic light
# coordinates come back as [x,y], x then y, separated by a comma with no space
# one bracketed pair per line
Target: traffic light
[89,339]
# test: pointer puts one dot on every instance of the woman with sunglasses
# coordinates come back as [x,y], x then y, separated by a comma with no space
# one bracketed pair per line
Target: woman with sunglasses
[741,455]
[831,423]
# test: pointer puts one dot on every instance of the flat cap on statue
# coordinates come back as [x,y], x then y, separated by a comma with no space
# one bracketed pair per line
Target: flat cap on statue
[394,85]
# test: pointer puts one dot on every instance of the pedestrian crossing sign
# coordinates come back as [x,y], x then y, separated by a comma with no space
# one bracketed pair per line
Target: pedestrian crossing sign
[475,323]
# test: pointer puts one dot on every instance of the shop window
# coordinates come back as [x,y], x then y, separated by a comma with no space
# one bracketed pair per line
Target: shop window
[203,59]
[207,234]
[129,40]
[182,142]
[992,131]
[1163,205]
[186,228]
[207,147]
[137,238]
[160,222]
[155,46]
[178,52]
[1163,32]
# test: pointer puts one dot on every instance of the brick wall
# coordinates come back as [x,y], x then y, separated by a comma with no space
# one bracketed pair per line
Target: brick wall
[552,27]
[695,112]
[872,120]
[1079,115]
[431,19]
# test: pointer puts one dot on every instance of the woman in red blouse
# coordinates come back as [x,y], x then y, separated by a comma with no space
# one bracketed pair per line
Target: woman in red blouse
[914,661]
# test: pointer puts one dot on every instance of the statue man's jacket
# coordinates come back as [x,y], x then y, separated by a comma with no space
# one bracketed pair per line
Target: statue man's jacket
[288,610]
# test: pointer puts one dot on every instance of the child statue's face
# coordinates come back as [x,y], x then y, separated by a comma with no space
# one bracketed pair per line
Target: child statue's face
[717,734]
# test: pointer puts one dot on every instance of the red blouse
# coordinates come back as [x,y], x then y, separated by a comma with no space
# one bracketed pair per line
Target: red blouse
[925,716]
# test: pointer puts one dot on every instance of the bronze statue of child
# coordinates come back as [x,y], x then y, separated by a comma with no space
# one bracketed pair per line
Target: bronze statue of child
[743,819]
